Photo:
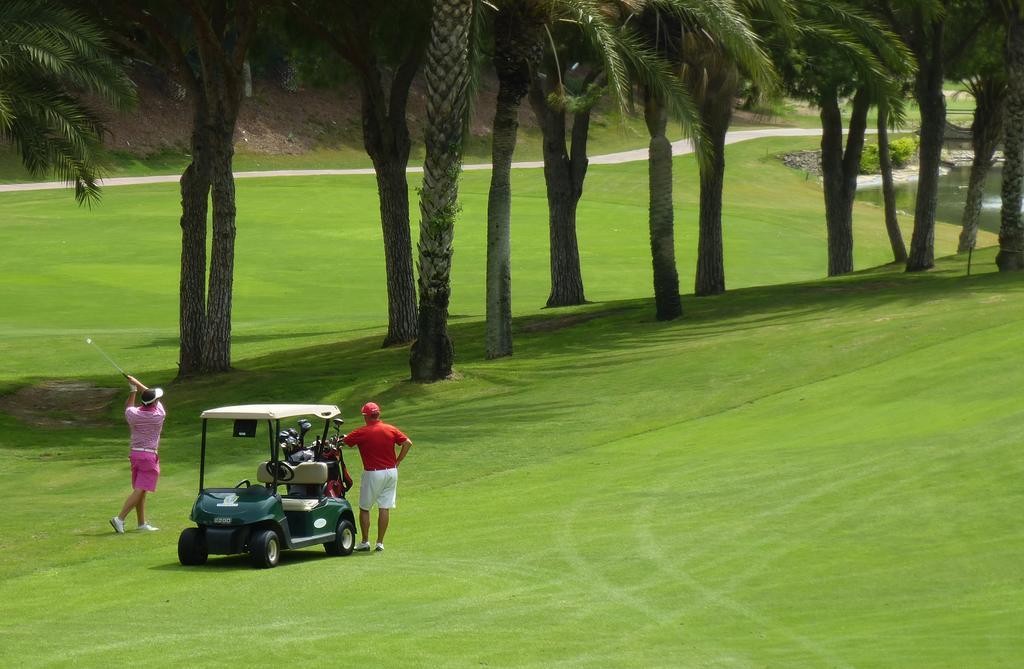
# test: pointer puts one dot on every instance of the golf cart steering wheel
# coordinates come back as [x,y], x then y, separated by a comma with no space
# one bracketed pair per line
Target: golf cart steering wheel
[284,472]
[245,482]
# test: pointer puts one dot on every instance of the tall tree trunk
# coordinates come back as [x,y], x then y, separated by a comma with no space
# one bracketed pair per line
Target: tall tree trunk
[661,214]
[716,110]
[217,337]
[393,195]
[892,223]
[839,174]
[986,131]
[447,72]
[1011,228]
[564,172]
[195,194]
[387,142]
[928,91]
[517,46]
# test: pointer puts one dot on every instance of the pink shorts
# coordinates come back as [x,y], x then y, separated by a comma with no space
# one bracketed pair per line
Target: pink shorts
[145,470]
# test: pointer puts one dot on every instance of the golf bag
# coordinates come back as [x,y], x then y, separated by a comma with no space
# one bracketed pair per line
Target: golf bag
[339,481]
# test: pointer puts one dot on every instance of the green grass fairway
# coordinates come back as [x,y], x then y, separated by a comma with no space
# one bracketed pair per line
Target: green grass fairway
[799,473]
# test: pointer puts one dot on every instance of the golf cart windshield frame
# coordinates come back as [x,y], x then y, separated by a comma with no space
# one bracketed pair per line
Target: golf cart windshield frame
[272,413]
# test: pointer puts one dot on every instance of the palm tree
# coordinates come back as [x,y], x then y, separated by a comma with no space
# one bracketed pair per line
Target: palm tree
[1011,228]
[591,51]
[989,91]
[518,48]
[711,43]
[839,51]
[384,43]
[892,224]
[446,77]
[203,45]
[48,55]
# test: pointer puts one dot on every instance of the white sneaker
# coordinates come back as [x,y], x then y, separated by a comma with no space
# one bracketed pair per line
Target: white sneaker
[117,524]
[379,548]
[146,527]
[365,546]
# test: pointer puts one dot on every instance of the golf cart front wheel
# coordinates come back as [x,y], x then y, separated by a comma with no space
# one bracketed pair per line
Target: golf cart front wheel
[344,539]
[192,547]
[266,549]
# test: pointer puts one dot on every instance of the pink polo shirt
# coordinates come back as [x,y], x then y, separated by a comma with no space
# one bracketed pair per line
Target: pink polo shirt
[146,425]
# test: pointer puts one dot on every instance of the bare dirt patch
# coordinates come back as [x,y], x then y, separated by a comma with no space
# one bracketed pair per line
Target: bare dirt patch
[61,404]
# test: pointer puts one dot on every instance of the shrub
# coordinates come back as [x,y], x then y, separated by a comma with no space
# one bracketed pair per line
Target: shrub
[869,162]
[902,150]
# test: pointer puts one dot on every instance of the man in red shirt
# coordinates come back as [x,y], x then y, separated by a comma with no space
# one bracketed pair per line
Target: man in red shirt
[376,441]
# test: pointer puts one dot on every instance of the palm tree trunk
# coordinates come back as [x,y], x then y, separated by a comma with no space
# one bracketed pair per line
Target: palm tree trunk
[839,173]
[564,172]
[932,102]
[892,223]
[447,70]
[717,113]
[986,131]
[195,193]
[661,221]
[393,194]
[387,142]
[498,338]
[217,336]
[1011,228]
[517,45]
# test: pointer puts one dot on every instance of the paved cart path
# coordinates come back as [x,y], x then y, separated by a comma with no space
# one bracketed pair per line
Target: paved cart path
[682,147]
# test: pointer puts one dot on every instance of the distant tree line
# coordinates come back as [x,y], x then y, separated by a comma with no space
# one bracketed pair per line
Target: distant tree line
[682,61]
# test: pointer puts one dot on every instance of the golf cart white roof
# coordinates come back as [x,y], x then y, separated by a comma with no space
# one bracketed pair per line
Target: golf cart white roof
[272,411]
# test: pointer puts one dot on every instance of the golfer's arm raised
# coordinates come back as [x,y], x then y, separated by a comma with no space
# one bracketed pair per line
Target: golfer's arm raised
[136,385]
[406,445]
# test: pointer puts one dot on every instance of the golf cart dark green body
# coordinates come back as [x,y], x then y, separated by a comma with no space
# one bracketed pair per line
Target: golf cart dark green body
[257,519]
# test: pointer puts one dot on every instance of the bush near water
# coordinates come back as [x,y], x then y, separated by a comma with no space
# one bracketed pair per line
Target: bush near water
[901,152]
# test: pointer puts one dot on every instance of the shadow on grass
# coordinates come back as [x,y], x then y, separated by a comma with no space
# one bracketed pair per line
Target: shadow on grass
[289,559]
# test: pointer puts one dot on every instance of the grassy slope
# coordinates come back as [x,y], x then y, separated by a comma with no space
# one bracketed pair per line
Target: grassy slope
[809,474]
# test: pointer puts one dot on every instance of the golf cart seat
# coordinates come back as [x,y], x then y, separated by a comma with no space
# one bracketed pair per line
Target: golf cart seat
[311,475]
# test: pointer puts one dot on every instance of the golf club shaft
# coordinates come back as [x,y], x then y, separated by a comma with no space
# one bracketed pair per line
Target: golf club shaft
[109,359]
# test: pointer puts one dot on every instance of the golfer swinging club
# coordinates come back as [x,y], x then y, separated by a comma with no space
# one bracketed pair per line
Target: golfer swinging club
[146,423]
[376,441]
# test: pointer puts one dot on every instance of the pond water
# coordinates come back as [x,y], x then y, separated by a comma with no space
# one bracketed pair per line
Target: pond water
[952,195]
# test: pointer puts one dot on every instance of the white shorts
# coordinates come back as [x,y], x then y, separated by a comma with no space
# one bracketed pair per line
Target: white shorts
[378,487]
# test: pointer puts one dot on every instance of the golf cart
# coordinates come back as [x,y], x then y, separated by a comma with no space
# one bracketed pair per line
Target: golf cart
[256,518]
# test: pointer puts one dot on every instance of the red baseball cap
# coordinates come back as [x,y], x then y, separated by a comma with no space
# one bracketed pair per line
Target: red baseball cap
[370,408]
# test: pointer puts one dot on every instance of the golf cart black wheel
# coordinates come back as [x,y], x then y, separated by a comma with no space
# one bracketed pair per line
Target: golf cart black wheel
[192,547]
[266,549]
[344,539]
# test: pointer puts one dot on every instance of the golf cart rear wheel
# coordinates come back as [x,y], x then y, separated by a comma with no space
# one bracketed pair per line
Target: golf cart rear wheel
[344,539]
[192,547]
[266,549]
